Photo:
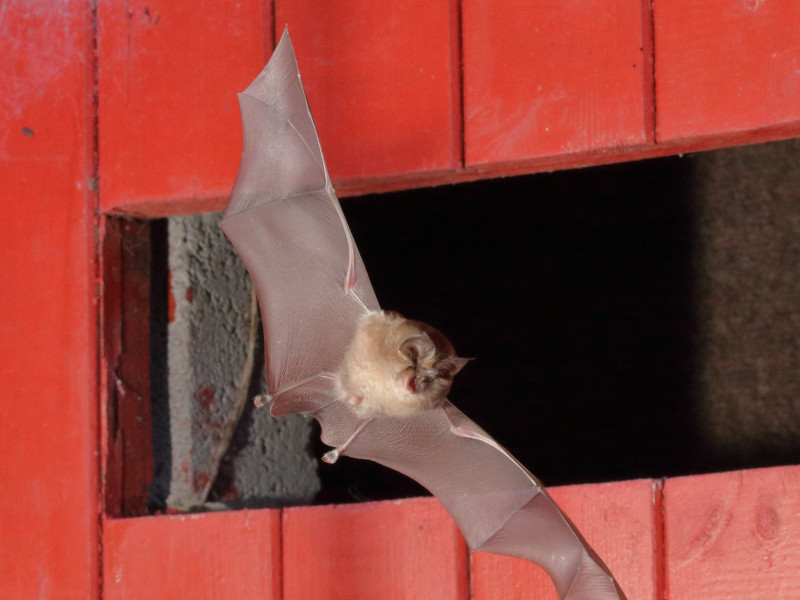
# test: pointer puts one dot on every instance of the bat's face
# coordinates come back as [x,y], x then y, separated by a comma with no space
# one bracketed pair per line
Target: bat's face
[428,368]
[397,367]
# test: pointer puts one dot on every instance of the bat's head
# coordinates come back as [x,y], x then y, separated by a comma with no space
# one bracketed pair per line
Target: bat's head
[429,364]
[394,366]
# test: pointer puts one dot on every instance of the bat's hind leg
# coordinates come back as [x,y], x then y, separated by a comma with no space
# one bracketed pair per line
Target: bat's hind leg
[333,455]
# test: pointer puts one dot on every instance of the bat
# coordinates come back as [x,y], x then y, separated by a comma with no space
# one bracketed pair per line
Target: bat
[322,324]
[394,366]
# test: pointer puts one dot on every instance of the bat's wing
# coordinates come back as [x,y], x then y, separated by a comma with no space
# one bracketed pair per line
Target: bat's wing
[287,226]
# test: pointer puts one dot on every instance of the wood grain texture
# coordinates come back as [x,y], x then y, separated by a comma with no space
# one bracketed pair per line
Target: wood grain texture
[216,556]
[725,65]
[619,520]
[127,436]
[168,75]
[406,549]
[382,80]
[734,535]
[48,304]
[557,78]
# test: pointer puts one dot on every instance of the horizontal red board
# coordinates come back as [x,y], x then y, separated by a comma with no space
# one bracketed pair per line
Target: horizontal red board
[168,75]
[725,65]
[734,535]
[216,556]
[619,520]
[388,550]
[543,79]
[382,82]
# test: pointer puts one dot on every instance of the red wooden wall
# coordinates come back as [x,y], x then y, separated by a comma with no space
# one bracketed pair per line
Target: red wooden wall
[129,108]
[716,537]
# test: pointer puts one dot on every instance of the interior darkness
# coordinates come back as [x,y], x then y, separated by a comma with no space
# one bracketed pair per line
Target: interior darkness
[579,294]
[574,293]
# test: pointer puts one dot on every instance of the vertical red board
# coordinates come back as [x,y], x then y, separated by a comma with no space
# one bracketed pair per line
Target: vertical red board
[128,450]
[621,521]
[725,65]
[389,550]
[734,535]
[382,81]
[544,79]
[48,352]
[218,556]
[169,124]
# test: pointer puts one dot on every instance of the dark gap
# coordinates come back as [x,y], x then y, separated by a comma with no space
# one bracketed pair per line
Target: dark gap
[573,291]
[159,390]
[587,298]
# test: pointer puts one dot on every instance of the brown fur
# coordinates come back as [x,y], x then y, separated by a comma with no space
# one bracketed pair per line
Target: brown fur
[395,366]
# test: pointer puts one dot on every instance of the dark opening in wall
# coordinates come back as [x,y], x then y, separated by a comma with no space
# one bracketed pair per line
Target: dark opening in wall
[632,320]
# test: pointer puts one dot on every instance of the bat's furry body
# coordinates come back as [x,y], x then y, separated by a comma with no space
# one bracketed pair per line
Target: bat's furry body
[288,227]
[395,366]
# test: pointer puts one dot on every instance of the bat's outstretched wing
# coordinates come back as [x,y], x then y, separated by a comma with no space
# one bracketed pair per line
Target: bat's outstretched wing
[287,226]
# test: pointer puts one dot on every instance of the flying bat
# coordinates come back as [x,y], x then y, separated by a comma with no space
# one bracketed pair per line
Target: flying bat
[376,381]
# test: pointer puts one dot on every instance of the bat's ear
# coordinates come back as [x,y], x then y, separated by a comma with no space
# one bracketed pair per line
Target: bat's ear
[455,364]
[417,347]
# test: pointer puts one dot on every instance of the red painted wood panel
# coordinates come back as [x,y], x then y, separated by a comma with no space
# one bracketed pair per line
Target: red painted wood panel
[400,550]
[169,124]
[726,65]
[48,338]
[734,535]
[544,79]
[127,437]
[382,80]
[214,556]
[619,520]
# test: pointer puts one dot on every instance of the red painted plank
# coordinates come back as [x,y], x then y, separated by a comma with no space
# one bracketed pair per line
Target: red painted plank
[726,65]
[402,549]
[218,556]
[48,353]
[544,79]
[382,82]
[619,520]
[128,448]
[734,535]
[169,72]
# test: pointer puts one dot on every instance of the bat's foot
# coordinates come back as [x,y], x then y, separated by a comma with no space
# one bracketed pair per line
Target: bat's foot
[262,400]
[331,456]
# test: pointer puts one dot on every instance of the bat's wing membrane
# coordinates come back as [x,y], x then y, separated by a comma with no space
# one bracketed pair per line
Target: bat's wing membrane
[288,228]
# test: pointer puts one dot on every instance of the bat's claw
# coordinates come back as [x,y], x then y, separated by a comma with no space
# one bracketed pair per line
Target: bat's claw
[331,456]
[262,400]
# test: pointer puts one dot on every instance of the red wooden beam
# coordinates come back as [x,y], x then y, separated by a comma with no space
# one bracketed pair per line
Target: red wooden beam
[127,437]
[48,305]
[169,124]
[621,521]
[733,535]
[723,66]
[546,79]
[382,79]
[387,550]
[213,556]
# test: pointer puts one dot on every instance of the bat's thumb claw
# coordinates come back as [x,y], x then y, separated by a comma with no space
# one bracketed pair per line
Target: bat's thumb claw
[330,457]
[262,400]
